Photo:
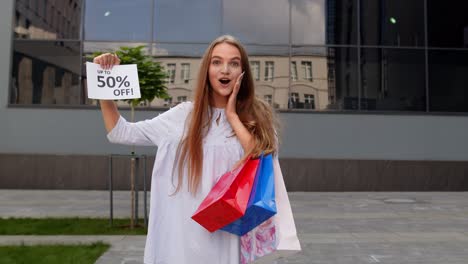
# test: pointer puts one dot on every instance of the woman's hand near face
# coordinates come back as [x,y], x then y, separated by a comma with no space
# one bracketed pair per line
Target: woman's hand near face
[232,101]
[109,110]
[244,136]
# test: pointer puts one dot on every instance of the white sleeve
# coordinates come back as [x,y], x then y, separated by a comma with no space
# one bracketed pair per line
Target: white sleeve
[152,131]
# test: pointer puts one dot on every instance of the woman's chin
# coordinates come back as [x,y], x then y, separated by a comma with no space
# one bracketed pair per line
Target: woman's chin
[224,92]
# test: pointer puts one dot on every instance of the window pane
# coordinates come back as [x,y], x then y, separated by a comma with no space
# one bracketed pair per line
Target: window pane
[393,79]
[187,21]
[308,21]
[185,60]
[327,79]
[319,22]
[447,23]
[257,22]
[118,20]
[393,23]
[46,72]
[448,81]
[303,84]
[273,66]
[48,20]
[341,27]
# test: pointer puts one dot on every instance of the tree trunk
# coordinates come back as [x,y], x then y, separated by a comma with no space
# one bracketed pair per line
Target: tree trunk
[132,177]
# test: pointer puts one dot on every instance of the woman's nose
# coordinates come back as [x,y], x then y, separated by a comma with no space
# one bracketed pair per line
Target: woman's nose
[225,68]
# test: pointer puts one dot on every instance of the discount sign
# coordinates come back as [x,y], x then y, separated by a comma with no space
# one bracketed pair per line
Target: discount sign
[120,82]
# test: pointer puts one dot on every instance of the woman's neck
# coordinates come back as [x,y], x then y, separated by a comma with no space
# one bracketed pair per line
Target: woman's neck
[219,102]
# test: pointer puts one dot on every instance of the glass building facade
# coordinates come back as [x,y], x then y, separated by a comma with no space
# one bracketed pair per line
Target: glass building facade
[315,55]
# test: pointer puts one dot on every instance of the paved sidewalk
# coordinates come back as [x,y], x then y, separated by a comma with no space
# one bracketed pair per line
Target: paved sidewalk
[334,228]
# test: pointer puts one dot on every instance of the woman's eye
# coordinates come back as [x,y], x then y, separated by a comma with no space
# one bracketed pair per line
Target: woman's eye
[216,62]
[235,64]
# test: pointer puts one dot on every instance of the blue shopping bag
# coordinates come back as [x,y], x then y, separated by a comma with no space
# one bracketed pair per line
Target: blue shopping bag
[261,205]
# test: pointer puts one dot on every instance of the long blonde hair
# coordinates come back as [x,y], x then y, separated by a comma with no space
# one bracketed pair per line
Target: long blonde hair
[256,115]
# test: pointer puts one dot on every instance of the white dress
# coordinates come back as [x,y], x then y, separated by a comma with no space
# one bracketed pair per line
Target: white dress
[173,237]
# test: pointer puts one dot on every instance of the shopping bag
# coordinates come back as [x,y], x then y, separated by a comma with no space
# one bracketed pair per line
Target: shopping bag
[227,200]
[261,204]
[275,238]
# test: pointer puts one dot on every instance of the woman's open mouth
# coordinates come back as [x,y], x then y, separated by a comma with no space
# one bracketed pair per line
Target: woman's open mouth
[224,82]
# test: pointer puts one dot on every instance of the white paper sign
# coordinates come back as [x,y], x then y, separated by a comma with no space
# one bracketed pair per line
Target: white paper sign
[120,82]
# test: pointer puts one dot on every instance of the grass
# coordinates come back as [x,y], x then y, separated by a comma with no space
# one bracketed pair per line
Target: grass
[52,254]
[67,226]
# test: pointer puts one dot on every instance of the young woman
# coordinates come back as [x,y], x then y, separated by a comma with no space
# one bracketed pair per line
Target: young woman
[197,143]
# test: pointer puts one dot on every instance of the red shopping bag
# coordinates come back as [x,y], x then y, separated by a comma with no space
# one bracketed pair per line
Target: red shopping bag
[227,200]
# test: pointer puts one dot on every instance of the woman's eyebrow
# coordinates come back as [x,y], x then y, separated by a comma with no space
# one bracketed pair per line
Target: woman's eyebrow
[218,57]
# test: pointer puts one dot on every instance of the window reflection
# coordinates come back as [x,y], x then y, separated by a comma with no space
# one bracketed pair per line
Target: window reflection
[257,22]
[291,45]
[310,82]
[341,22]
[447,23]
[392,23]
[46,73]
[270,70]
[112,20]
[187,20]
[448,79]
[393,79]
[308,21]
[47,19]
[327,79]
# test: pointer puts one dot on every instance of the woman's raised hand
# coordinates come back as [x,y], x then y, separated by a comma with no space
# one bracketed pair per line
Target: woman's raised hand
[232,101]
[107,60]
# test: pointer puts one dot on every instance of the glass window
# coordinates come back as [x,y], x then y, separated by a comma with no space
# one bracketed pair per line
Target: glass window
[44,8]
[191,50]
[269,70]
[181,99]
[341,22]
[309,101]
[307,70]
[319,22]
[308,18]
[46,72]
[293,71]
[393,79]
[447,23]
[268,98]
[293,100]
[168,102]
[255,68]
[187,20]
[171,71]
[335,78]
[448,80]
[118,20]
[392,23]
[185,72]
[186,59]
[39,24]
[257,22]
[276,80]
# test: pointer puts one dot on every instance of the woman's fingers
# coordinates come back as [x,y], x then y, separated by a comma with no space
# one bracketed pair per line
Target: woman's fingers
[107,60]
[238,83]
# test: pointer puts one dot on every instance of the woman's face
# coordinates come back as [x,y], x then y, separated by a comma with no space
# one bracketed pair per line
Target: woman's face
[225,67]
